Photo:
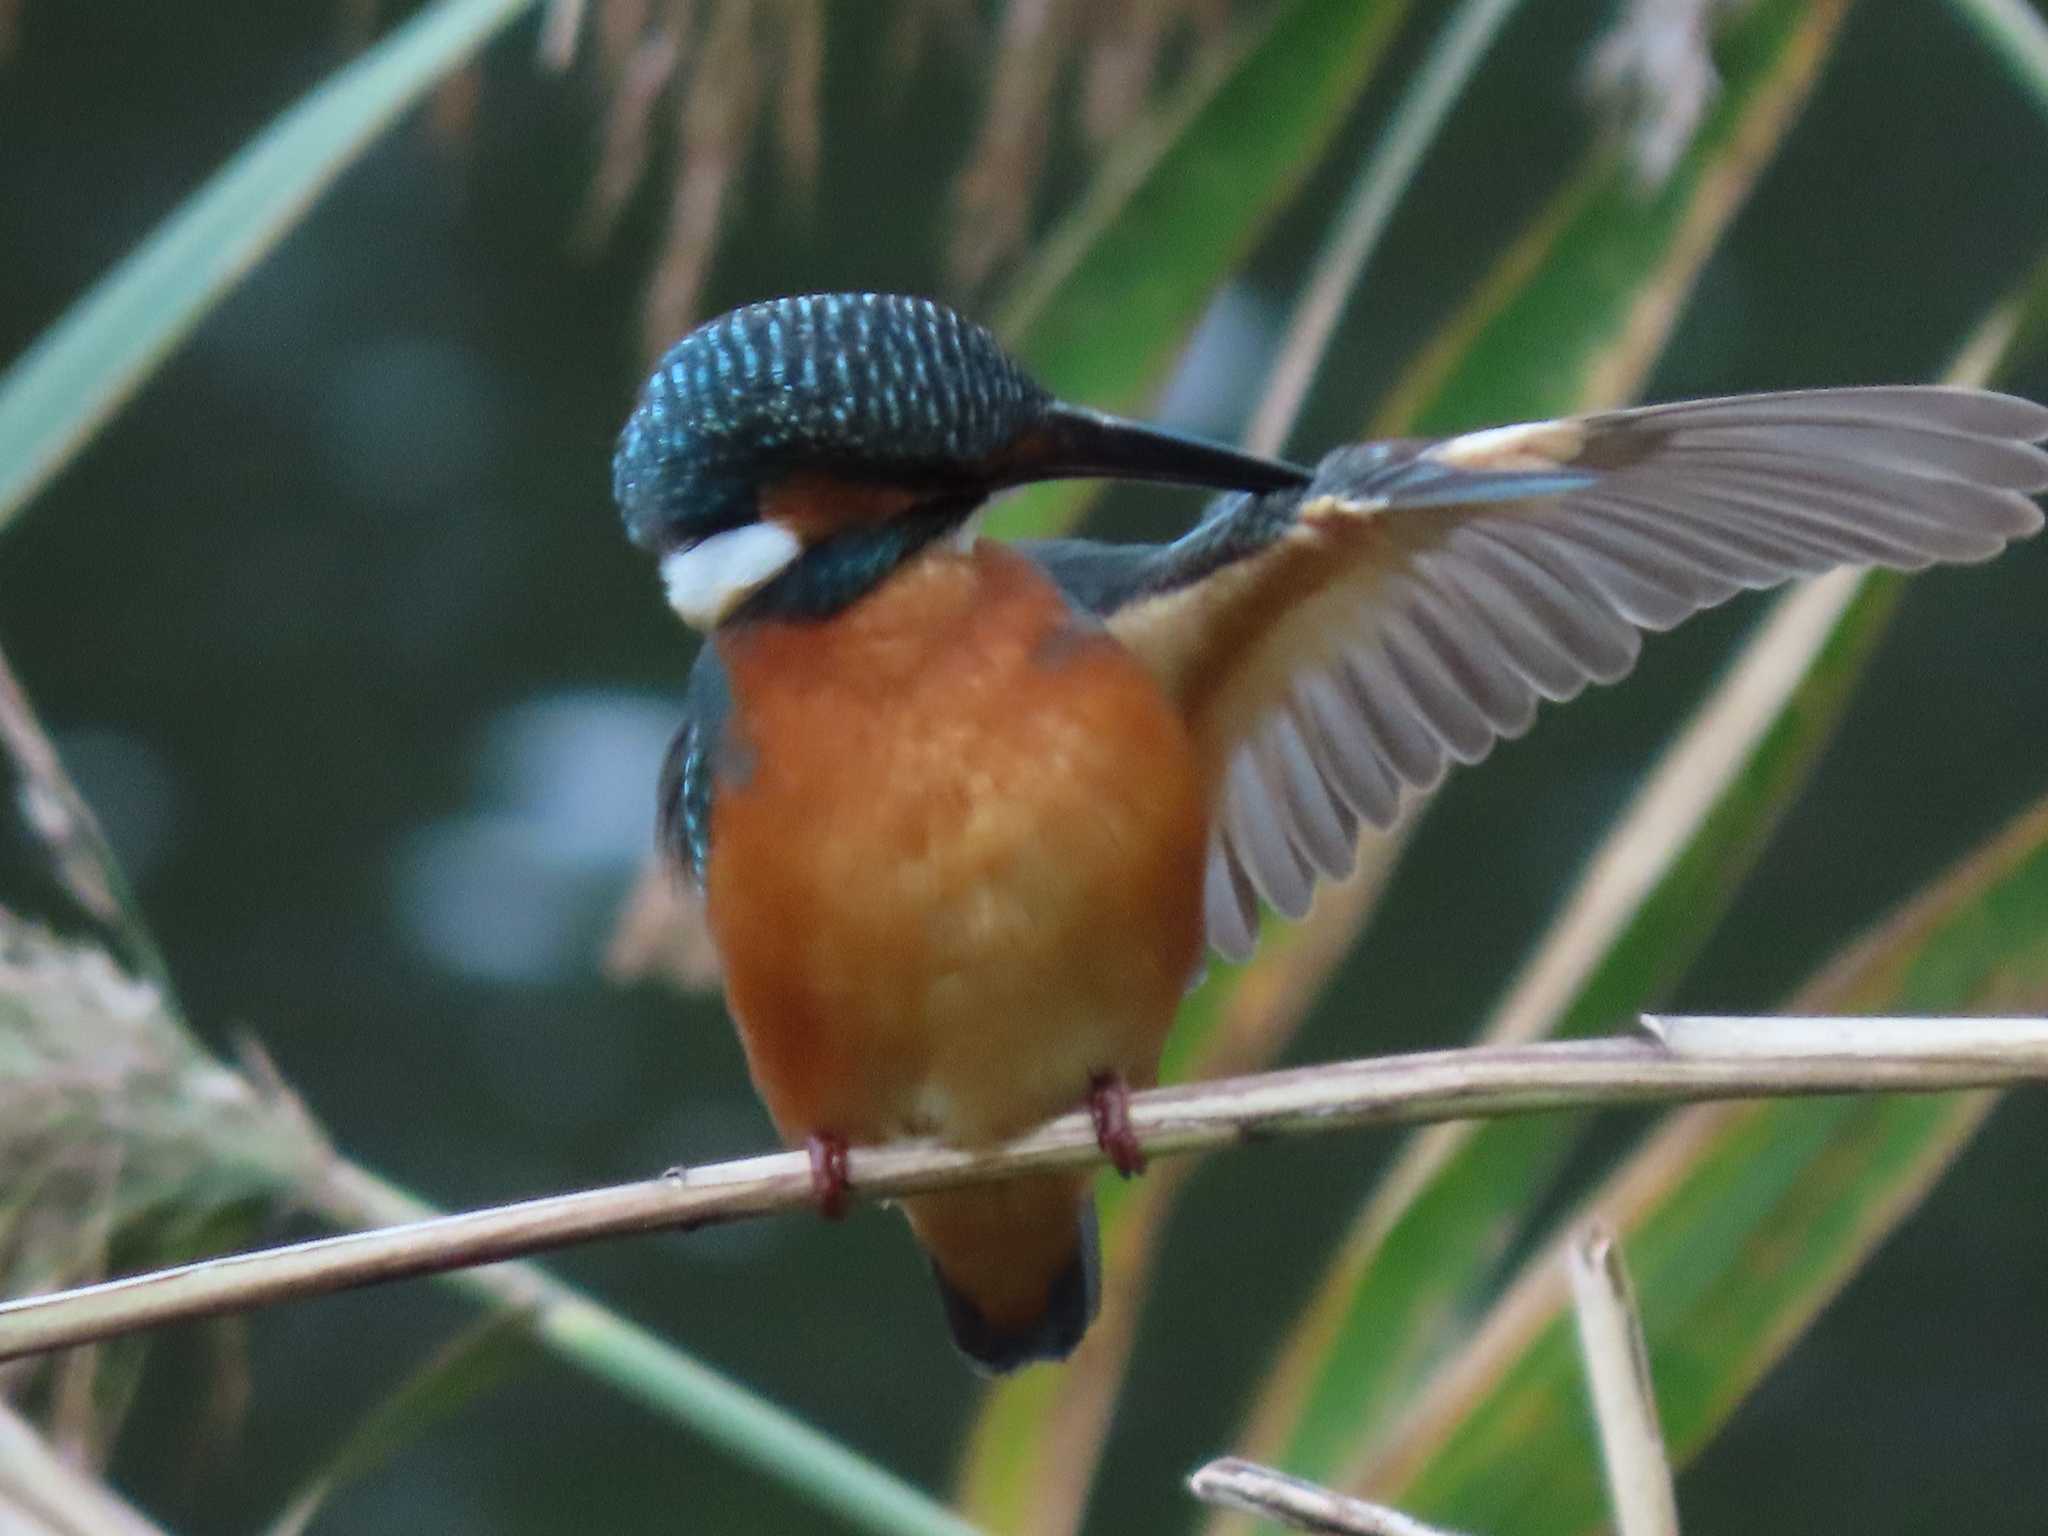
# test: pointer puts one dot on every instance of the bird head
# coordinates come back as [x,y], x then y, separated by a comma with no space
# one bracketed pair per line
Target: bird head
[834,435]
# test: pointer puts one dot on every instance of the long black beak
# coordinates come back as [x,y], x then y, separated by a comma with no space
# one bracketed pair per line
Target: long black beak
[1072,442]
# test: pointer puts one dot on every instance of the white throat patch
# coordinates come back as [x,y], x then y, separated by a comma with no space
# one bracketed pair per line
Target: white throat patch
[709,579]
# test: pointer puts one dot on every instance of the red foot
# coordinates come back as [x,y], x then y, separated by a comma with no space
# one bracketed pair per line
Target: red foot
[1109,1106]
[829,1184]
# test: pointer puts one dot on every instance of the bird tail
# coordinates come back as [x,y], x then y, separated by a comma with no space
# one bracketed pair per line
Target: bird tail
[1016,1264]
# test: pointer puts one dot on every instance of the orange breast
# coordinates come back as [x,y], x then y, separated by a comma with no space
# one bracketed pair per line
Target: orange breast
[956,856]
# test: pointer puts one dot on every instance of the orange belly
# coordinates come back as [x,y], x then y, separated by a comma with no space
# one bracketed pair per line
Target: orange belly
[956,857]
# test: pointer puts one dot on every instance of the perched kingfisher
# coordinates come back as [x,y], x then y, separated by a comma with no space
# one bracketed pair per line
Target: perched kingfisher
[964,813]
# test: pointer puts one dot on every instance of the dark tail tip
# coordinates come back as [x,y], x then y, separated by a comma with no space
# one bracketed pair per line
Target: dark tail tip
[1070,1306]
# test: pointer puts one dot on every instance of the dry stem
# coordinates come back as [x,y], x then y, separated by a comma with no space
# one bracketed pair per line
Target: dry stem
[1685,1061]
[1301,1506]
[1617,1360]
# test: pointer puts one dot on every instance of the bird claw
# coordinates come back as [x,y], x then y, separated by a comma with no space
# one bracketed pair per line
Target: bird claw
[830,1185]
[1109,1106]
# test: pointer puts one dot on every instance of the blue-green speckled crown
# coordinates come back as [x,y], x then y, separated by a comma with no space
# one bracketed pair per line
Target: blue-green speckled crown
[868,384]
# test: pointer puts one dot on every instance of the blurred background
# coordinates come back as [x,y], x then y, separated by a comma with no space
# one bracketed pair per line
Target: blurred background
[335,628]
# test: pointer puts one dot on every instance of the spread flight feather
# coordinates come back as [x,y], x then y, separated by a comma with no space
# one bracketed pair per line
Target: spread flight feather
[1342,644]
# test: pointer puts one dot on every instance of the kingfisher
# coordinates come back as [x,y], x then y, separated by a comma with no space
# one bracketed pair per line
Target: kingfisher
[966,815]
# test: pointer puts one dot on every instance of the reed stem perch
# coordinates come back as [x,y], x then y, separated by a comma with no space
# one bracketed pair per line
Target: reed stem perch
[1679,1061]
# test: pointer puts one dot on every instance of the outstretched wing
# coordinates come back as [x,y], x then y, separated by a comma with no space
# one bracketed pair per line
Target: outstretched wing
[1336,646]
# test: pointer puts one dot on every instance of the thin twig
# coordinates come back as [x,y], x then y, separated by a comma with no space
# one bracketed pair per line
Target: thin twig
[1390,1090]
[1618,1376]
[56,817]
[640,84]
[1303,1506]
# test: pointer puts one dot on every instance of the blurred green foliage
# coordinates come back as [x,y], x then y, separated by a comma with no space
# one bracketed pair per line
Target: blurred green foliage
[337,635]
